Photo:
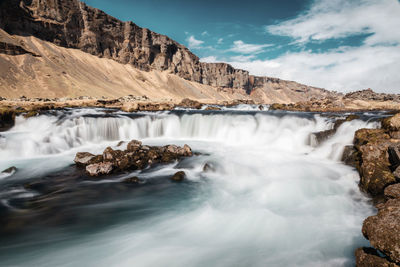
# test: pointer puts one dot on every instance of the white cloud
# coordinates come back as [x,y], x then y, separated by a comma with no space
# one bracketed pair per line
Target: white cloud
[375,64]
[220,41]
[204,33]
[210,59]
[242,58]
[328,19]
[242,48]
[345,69]
[193,43]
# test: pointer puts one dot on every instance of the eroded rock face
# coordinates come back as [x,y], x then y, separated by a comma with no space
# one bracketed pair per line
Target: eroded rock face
[383,229]
[392,191]
[136,156]
[374,168]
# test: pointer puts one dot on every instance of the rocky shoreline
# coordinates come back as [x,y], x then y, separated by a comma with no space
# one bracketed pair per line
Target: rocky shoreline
[376,156]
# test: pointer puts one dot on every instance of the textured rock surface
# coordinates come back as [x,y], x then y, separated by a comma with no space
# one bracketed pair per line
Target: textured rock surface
[136,156]
[372,147]
[383,229]
[368,257]
[73,24]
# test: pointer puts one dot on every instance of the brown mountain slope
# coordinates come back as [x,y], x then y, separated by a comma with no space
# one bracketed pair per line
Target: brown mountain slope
[72,24]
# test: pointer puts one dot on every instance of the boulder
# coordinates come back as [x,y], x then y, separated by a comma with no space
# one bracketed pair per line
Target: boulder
[10,170]
[179,176]
[98,169]
[369,257]
[374,166]
[85,158]
[112,155]
[392,123]
[392,191]
[383,229]
[396,173]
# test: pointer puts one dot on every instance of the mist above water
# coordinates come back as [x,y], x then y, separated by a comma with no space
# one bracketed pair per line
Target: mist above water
[271,199]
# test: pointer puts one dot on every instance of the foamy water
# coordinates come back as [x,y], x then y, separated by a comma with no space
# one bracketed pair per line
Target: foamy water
[272,199]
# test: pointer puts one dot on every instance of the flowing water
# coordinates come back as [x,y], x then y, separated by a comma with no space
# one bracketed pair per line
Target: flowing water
[271,198]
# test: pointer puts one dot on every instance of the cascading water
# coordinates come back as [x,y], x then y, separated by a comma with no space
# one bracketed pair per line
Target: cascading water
[271,198]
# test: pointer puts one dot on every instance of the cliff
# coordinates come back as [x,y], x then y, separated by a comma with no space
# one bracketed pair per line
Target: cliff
[73,24]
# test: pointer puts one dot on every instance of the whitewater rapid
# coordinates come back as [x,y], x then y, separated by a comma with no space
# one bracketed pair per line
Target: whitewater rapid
[272,198]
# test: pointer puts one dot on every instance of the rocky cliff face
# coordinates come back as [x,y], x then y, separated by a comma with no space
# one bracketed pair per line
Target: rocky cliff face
[73,24]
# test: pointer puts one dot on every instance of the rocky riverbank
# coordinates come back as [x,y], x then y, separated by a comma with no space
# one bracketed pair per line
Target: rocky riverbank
[376,155]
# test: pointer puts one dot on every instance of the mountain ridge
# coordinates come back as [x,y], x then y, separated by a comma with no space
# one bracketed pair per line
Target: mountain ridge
[73,24]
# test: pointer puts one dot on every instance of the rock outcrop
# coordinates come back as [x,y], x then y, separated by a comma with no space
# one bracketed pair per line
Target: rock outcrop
[376,155]
[135,157]
[73,24]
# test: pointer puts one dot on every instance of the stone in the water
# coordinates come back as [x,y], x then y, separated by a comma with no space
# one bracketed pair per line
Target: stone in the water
[208,167]
[132,180]
[10,170]
[85,158]
[98,169]
[179,176]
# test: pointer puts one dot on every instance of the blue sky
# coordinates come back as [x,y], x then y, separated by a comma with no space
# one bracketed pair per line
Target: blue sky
[336,44]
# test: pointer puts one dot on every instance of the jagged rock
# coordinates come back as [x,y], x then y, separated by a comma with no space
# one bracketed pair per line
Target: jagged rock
[179,176]
[84,158]
[97,169]
[8,172]
[396,173]
[369,257]
[208,167]
[383,229]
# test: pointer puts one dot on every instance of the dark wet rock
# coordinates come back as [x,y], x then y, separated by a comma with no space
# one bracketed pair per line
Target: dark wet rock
[322,136]
[189,103]
[369,257]
[392,191]
[350,156]
[84,158]
[30,114]
[120,143]
[135,157]
[394,156]
[208,167]
[374,166]
[383,229]
[396,174]
[261,107]
[7,119]
[98,169]
[179,176]
[132,180]
[8,172]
